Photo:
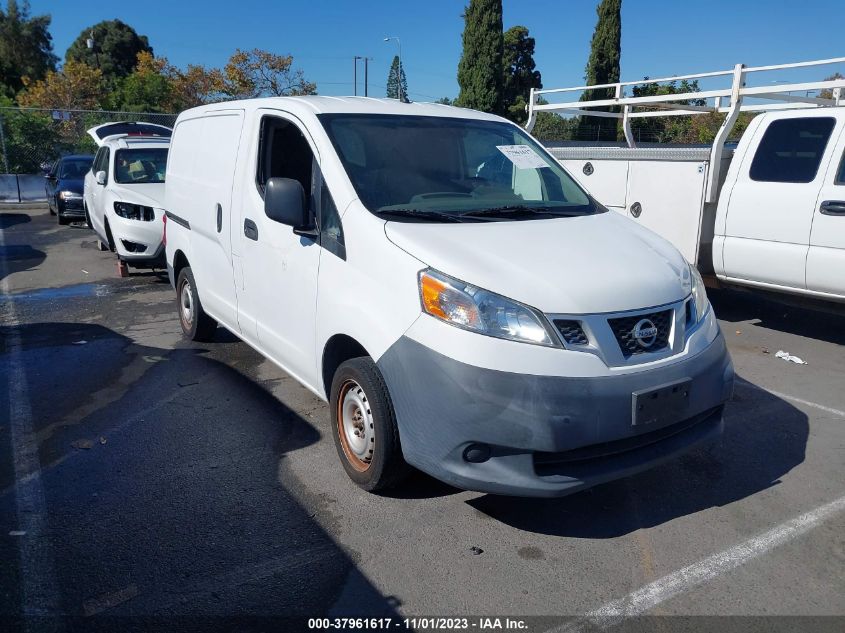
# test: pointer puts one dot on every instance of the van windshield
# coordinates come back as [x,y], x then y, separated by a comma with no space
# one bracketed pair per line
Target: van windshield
[442,169]
[140,166]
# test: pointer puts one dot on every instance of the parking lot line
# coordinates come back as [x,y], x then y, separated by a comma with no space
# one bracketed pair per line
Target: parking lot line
[642,600]
[38,581]
[786,396]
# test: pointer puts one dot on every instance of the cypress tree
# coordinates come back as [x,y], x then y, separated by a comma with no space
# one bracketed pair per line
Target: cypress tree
[395,80]
[480,68]
[603,65]
[519,73]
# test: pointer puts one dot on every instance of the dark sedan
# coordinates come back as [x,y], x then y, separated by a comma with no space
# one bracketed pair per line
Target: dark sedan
[65,185]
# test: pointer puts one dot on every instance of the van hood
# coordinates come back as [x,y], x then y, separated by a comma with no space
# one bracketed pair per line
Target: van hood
[150,194]
[576,265]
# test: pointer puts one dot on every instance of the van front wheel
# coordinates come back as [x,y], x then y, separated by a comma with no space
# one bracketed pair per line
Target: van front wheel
[196,324]
[364,425]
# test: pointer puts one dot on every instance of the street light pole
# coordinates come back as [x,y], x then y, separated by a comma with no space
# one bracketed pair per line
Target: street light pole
[399,78]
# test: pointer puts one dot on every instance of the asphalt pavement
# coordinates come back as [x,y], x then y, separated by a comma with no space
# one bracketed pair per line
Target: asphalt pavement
[149,482]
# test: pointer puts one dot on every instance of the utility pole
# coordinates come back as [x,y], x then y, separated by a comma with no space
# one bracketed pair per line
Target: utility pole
[355,74]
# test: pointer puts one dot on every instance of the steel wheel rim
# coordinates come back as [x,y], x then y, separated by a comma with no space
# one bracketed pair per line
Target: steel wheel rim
[356,427]
[186,304]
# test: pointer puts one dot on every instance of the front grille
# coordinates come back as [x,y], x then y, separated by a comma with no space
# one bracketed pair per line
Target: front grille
[73,204]
[572,332]
[623,330]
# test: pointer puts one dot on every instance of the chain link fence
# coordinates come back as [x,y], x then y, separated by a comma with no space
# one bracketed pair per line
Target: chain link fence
[32,138]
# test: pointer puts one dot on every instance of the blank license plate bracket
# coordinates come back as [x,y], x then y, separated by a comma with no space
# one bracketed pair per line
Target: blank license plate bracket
[661,405]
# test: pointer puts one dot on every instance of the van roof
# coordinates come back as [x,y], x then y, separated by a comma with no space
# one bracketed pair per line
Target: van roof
[348,105]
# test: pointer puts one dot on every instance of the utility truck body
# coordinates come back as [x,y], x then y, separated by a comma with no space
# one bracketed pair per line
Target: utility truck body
[769,213]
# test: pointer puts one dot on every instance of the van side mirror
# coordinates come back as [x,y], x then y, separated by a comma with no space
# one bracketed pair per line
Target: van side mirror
[101,177]
[284,202]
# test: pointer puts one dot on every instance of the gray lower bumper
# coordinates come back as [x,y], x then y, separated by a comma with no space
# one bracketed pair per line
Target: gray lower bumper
[532,424]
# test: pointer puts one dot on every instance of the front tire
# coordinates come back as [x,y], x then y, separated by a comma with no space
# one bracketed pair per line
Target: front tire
[364,423]
[196,324]
[60,220]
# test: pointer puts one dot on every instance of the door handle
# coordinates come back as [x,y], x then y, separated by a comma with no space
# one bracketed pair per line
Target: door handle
[833,207]
[250,230]
[219,218]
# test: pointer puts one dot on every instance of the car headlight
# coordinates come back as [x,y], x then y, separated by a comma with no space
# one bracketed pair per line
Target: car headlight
[134,211]
[482,311]
[70,195]
[700,303]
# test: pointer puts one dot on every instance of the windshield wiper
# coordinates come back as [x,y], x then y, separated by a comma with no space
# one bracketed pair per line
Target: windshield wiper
[422,214]
[517,210]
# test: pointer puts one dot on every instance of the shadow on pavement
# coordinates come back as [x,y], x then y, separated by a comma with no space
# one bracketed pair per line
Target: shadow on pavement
[765,437]
[812,322]
[8,220]
[163,502]
[17,258]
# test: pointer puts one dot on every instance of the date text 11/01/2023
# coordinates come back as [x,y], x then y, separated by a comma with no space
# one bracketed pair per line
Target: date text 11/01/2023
[418,624]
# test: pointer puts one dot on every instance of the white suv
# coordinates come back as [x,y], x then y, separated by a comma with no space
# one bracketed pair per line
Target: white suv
[124,191]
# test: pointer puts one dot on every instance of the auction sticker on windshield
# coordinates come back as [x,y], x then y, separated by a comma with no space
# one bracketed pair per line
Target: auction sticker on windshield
[523,156]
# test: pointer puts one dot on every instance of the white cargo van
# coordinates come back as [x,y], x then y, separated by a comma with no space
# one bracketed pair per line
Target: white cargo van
[769,214]
[434,273]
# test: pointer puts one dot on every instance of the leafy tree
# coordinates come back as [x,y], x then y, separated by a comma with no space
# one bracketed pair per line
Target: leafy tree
[76,87]
[26,47]
[116,48]
[149,87]
[445,101]
[480,68]
[603,64]
[828,93]
[664,129]
[195,86]
[397,84]
[259,73]
[519,75]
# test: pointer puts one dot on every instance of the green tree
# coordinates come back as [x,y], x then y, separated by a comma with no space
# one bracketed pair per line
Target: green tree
[26,47]
[675,129]
[480,68]
[149,87]
[397,83]
[520,74]
[445,101]
[115,51]
[603,64]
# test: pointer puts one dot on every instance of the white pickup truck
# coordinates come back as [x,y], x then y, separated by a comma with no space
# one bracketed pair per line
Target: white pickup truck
[768,214]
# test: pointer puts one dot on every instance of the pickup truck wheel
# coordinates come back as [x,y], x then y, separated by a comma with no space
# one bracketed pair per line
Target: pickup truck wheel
[196,324]
[364,425]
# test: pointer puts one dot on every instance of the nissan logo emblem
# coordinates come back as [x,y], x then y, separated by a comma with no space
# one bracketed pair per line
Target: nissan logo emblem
[645,332]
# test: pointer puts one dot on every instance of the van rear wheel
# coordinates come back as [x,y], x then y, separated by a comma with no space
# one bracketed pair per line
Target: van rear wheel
[196,324]
[364,424]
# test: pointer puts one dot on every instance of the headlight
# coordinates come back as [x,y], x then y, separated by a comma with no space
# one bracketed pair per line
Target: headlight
[471,308]
[134,211]
[70,195]
[699,295]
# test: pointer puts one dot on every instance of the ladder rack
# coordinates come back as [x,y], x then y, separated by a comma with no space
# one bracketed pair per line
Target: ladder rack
[729,99]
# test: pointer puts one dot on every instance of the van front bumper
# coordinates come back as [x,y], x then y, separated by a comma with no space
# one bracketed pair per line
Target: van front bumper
[547,436]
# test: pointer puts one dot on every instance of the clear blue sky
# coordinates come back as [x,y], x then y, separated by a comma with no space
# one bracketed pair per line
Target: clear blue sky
[659,38]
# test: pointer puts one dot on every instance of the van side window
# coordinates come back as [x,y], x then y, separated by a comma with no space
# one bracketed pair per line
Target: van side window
[283,153]
[331,229]
[791,150]
[101,162]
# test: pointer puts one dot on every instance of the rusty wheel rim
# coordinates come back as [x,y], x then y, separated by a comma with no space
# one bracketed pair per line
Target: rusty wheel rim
[355,426]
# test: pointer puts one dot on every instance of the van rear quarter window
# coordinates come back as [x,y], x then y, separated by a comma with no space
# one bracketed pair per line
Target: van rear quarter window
[791,150]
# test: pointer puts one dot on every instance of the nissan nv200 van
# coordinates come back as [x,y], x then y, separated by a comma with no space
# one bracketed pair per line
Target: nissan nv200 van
[464,306]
